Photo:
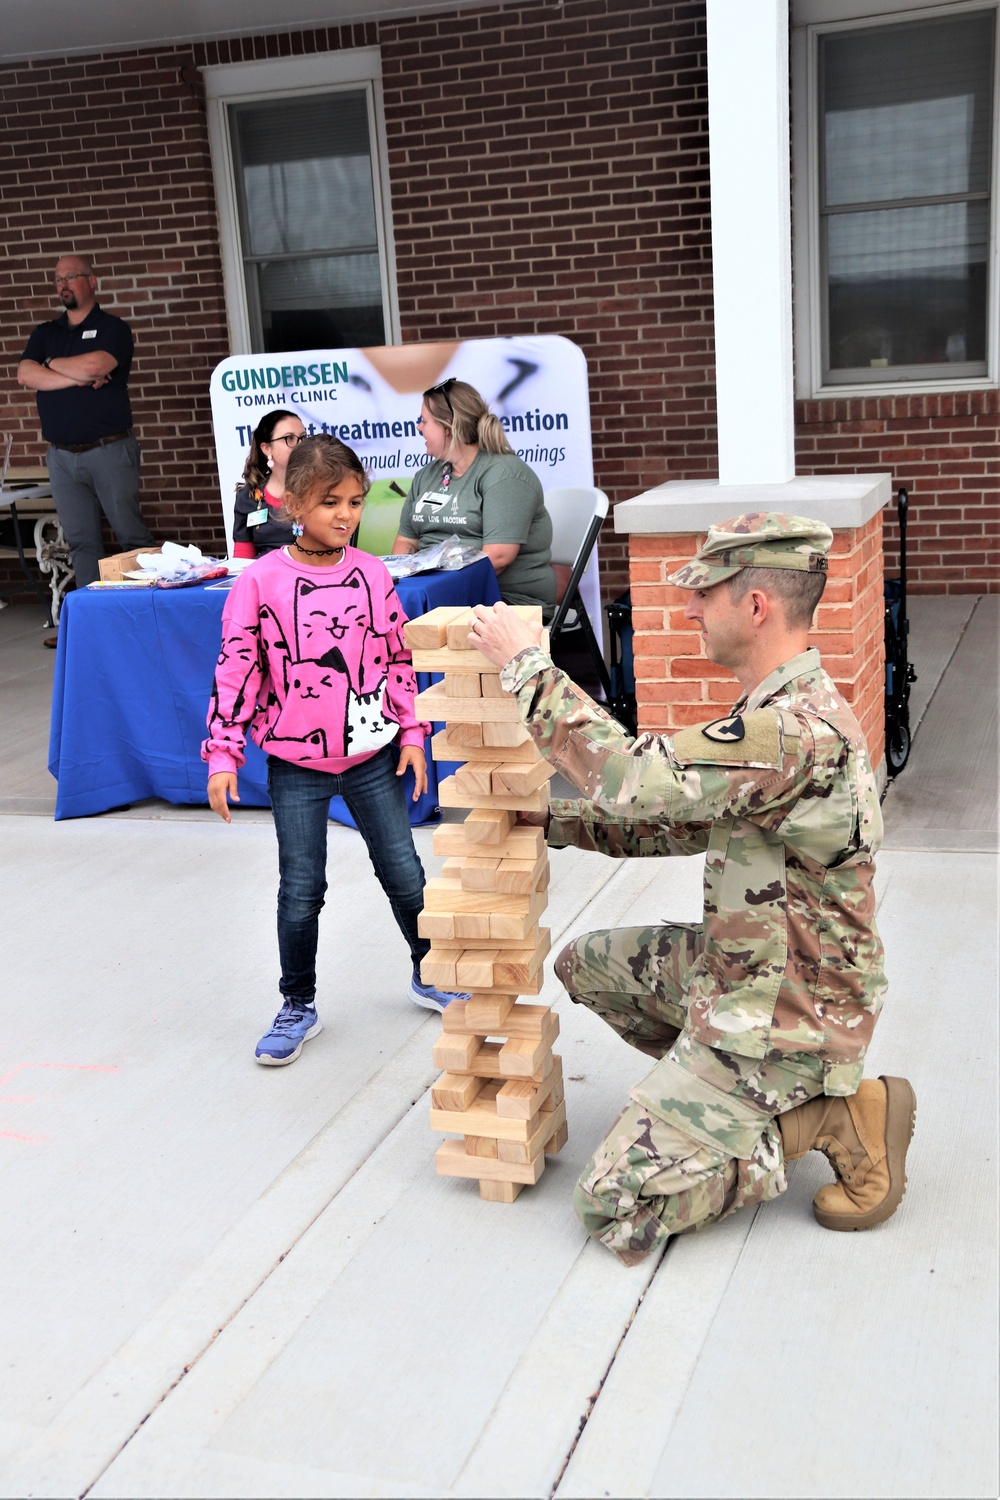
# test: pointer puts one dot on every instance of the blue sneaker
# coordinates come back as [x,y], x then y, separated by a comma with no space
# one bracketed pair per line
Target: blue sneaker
[293,1025]
[430,998]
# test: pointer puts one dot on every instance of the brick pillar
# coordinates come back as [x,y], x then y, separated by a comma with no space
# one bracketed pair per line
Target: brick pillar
[675,683]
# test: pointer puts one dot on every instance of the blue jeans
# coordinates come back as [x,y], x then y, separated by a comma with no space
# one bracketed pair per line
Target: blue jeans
[300,801]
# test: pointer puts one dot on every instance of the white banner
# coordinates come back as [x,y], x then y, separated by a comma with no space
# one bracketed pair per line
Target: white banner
[370,399]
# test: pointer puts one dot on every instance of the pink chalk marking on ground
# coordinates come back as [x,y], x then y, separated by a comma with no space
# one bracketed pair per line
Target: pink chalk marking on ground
[13,1135]
[65,1067]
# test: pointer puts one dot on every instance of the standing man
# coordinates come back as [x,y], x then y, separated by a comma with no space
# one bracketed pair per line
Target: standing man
[761,1017]
[78,365]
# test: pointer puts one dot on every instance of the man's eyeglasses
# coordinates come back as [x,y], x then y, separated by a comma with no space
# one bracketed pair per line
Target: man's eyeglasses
[289,438]
[76,276]
[442,390]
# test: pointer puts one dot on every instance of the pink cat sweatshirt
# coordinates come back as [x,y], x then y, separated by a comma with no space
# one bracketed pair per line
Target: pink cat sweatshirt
[314,660]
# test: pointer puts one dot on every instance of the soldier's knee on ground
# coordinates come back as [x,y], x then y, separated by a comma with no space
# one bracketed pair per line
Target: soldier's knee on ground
[565,965]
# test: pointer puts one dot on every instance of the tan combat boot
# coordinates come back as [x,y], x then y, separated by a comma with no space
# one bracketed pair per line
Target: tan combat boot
[865,1137]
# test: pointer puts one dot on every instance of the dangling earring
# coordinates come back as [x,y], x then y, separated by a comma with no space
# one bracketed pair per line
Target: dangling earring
[297,529]
[270,463]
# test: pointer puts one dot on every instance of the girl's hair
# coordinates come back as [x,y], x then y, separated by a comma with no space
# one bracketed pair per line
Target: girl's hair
[255,470]
[461,409]
[316,464]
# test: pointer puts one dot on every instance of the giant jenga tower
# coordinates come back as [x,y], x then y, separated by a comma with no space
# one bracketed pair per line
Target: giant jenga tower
[502,1088]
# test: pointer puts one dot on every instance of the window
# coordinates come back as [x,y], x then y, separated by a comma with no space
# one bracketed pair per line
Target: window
[901,207]
[305,238]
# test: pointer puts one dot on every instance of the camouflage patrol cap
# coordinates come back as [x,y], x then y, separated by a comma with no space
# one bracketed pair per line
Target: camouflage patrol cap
[762,539]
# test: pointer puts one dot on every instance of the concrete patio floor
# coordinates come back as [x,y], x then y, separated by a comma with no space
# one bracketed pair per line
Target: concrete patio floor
[224,1280]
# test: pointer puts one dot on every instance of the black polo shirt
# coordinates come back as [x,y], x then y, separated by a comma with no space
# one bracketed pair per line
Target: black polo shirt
[80,414]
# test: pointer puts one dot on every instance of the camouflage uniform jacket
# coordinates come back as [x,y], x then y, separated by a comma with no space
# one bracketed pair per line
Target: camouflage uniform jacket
[789,819]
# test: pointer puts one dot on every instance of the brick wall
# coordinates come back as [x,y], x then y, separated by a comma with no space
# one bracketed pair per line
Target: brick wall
[109,157]
[945,450]
[676,684]
[549,174]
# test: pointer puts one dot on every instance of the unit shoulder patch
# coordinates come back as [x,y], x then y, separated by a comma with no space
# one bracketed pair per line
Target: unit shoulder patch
[752,739]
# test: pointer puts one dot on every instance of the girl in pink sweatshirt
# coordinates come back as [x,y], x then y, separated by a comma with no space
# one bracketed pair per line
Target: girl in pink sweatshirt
[313,660]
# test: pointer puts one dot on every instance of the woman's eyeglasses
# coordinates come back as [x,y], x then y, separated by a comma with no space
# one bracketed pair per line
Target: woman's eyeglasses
[289,438]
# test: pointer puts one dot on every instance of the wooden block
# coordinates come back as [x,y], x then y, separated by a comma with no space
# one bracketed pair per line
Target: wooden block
[499,1192]
[521,951]
[517,967]
[485,1065]
[530,987]
[482,1145]
[525,1151]
[506,734]
[469,736]
[454,663]
[434,704]
[514,779]
[485,824]
[523,842]
[477,874]
[448,744]
[453,1053]
[459,1091]
[491,687]
[557,1095]
[488,1013]
[505,924]
[441,972]
[443,894]
[519,877]
[462,685]
[526,1022]
[474,969]
[439,924]
[429,632]
[523,1098]
[458,628]
[558,1140]
[451,1161]
[520,1056]
[474,925]
[476,778]
[536,801]
[480,1118]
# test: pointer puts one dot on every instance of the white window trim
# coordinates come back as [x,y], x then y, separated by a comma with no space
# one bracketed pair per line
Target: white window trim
[823,16]
[288,77]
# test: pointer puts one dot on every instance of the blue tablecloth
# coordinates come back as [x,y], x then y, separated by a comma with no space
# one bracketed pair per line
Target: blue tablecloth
[133,675]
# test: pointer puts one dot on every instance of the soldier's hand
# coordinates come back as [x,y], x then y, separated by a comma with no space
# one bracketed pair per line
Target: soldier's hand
[535,819]
[500,634]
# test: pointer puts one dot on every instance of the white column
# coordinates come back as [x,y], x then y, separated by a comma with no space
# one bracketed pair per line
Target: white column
[748,104]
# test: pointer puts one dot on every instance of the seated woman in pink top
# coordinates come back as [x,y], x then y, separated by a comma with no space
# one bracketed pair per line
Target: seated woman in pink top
[314,662]
[259,522]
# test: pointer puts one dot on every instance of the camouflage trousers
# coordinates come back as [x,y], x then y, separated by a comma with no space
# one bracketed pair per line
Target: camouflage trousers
[699,1139]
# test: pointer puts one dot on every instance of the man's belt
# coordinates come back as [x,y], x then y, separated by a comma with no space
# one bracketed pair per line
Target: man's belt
[116,437]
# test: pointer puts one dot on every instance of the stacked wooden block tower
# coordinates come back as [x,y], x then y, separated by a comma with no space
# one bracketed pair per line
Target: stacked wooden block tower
[502,1089]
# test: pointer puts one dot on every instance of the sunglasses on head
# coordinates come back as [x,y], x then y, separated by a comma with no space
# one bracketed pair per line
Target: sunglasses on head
[442,390]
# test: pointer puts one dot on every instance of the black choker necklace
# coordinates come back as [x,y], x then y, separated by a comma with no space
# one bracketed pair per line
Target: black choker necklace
[317,551]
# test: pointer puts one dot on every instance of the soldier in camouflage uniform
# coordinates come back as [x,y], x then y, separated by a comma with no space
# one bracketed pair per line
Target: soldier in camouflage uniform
[761,1017]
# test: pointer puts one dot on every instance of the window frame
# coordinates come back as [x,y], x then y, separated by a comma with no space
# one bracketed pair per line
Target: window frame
[813,19]
[287,78]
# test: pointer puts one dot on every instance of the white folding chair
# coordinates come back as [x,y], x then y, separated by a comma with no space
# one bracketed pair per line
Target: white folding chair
[10,494]
[577,514]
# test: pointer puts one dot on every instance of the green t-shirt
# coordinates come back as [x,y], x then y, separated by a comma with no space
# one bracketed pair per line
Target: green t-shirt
[499,500]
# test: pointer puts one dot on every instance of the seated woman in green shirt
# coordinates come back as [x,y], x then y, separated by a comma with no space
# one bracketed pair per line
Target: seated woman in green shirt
[477,488]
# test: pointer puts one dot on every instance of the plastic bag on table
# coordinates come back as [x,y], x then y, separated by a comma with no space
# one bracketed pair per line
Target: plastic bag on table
[176,567]
[446,557]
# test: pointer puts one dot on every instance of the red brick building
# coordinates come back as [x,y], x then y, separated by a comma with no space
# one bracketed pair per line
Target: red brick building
[544,170]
